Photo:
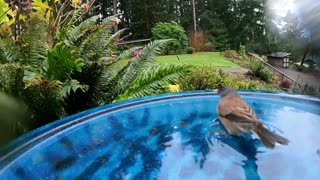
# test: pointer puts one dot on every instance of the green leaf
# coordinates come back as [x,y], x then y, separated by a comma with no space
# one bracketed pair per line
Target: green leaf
[73,85]
[154,80]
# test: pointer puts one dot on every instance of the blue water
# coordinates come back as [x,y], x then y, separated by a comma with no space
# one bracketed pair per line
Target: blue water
[178,138]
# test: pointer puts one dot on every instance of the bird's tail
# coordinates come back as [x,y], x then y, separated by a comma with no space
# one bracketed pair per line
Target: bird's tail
[268,138]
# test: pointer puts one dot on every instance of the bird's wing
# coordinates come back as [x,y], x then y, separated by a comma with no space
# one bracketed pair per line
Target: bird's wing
[235,109]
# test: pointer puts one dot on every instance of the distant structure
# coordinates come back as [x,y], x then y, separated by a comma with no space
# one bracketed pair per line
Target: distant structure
[279,59]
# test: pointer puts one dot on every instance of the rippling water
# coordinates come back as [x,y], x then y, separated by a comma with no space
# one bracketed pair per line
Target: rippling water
[178,139]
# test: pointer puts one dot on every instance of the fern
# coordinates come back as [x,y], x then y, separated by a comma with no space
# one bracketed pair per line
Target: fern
[128,53]
[11,78]
[34,42]
[9,52]
[112,38]
[72,85]
[148,55]
[77,33]
[61,62]
[154,79]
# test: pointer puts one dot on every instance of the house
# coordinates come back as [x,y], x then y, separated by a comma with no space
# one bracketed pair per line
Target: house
[279,59]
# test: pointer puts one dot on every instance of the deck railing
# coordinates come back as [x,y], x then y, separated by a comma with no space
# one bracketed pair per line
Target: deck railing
[273,69]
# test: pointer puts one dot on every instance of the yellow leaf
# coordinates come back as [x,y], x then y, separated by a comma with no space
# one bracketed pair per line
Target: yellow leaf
[75,1]
[12,13]
[22,17]
[41,5]
[174,88]
[11,21]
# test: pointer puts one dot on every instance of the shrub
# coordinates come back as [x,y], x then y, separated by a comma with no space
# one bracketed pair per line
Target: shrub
[190,50]
[257,69]
[285,84]
[232,54]
[242,50]
[266,75]
[171,30]
[205,78]
[306,90]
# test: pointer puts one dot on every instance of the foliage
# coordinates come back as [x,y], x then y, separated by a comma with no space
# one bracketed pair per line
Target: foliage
[12,119]
[305,89]
[190,50]
[125,75]
[215,28]
[155,80]
[61,62]
[231,54]
[285,84]
[257,69]
[174,31]
[206,78]
[242,50]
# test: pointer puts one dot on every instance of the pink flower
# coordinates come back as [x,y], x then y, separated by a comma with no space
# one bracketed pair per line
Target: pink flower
[137,52]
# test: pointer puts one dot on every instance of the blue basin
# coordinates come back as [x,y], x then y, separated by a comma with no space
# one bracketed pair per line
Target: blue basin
[170,136]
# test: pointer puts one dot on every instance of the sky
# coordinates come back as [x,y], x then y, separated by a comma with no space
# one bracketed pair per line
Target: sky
[281,7]
[307,12]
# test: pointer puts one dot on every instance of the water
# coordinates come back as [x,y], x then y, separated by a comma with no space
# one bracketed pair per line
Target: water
[179,138]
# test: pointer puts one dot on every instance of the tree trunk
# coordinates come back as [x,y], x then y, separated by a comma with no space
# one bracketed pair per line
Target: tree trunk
[194,16]
[304,56]
[115,2]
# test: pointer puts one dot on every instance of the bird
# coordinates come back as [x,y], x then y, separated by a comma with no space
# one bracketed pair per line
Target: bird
[238,118]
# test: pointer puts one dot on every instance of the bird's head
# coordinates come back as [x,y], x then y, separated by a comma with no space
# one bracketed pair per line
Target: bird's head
[226,91]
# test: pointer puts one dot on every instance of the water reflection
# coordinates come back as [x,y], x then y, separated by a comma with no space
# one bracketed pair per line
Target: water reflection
[245,145]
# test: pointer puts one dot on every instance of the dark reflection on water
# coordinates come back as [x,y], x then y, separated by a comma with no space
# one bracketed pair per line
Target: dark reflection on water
[245,145]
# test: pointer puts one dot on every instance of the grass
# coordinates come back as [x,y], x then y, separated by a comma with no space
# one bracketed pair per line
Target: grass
[198,59]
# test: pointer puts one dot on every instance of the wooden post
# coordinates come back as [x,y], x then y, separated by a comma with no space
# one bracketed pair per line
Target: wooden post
[115,2]
[194,16]
[194,23]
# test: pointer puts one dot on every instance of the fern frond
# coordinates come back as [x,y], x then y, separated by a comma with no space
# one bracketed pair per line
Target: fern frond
[154,80]
[11,78]
[34,42]
[110,21]
[128,53]
[113,37]
[73,85]
[9,52]
[61,62]
[78,32]
[149,53]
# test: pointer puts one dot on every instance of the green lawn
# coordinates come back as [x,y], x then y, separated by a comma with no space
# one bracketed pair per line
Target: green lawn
[198,59]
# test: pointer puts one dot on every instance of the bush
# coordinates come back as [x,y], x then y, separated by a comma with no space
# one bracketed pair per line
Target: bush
[190,50]
[242,50]
[171,30]
[206,78]
[266,75]
[231,54]
[258,70]
[285,84]
[306,90]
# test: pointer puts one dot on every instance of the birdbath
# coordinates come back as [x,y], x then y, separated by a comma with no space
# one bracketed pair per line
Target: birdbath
[170,136]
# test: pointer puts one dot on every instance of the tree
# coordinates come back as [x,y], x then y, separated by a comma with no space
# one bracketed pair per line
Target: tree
[172,31]
[215,29]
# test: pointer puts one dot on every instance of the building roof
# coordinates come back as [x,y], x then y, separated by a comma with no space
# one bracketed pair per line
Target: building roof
[279,54]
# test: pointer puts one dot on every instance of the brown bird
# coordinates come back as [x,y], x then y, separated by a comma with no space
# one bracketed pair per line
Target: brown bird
[238,117]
